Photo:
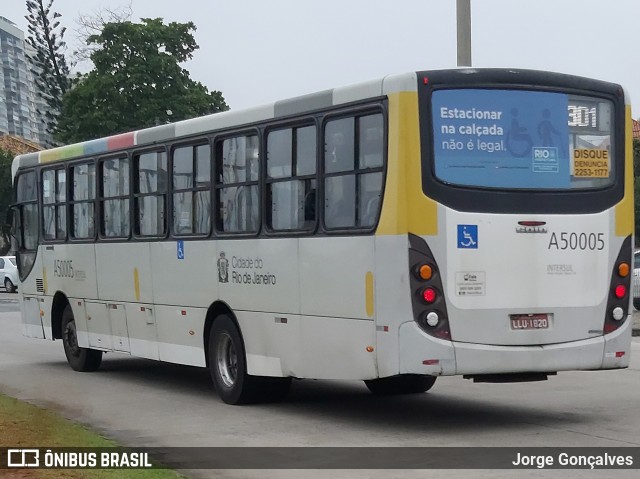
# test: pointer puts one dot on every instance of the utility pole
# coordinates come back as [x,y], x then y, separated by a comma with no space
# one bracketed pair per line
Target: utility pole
[463,16]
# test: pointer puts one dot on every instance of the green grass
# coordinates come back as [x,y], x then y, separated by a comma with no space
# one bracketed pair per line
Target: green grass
[26,425]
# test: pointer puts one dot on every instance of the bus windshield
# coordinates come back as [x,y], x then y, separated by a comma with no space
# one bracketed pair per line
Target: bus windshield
[522,139]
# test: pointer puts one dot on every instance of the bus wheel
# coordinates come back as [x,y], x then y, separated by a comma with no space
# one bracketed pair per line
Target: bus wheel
[228,368]
[403,384]
[80,359]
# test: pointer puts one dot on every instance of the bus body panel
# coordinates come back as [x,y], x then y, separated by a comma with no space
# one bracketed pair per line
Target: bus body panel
[34,323]
[70,267]
[455,358]
[46,303]
[260,275]
[125,272]
[185,277]
[424,354]
[35,283]
[271,342]
[79,308]
[299,346]
[346,352]
[617,350]
[32,326]
[563,271]
[98,324]
[392,299]
[143,336]
[333,274]
[179,332]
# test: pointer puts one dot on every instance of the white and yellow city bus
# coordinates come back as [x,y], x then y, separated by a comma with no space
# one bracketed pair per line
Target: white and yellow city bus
[456,222]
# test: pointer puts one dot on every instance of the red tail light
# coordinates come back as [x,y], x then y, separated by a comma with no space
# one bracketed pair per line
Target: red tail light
[427,298]
[618,303]
[429,295]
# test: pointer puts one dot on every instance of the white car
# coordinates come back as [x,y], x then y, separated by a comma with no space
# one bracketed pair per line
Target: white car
[9,273]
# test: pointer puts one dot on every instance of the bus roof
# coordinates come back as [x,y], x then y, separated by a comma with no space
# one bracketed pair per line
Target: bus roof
[238,118]
[218,121]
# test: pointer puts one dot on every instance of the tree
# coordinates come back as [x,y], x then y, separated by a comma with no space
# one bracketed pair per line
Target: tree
[92,24]
[636,158]
[51,71]
[136,82]
[6,158]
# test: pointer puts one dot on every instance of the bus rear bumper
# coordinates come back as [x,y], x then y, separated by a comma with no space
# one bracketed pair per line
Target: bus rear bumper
[423,354]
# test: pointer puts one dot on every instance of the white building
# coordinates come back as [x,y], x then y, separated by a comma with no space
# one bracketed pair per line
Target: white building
[19,100]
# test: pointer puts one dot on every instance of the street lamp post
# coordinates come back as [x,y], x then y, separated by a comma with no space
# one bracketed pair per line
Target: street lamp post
[463,17]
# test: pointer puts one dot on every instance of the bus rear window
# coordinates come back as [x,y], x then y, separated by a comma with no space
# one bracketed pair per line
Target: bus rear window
[518,139]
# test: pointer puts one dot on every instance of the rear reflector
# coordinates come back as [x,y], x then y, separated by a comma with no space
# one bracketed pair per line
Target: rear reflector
[609,328]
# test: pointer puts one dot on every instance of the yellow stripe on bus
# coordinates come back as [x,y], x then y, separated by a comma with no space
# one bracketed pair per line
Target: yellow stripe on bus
[624,209]
[368,286]
[136,283]
[44,280]
[405,208]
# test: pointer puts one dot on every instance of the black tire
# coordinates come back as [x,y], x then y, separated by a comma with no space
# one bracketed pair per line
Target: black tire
[228,368]
[403,384]
[9,286]
[80,359]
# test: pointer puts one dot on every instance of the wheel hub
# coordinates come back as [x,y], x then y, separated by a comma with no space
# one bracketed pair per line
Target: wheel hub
[227,360]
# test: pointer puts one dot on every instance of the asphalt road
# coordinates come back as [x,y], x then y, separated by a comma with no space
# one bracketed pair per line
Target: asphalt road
[146,403]
[8,301]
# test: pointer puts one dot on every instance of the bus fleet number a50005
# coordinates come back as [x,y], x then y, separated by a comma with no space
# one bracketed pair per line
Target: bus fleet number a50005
[577,241]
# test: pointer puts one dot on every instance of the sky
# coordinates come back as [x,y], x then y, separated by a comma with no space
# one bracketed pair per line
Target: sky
[260,51]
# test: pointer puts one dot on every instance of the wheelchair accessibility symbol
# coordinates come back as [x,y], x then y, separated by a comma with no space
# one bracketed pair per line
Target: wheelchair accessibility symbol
[468,236]
[180,249]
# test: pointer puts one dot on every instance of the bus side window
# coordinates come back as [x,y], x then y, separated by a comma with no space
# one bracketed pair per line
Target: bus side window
[340,205]
[371,133]
[149,193]
[370,187]
[352,189]
[114,220]
[83,193]
[291,179]
[310,205]
[191,197]
[54,222]
[237,196]
[339,145]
